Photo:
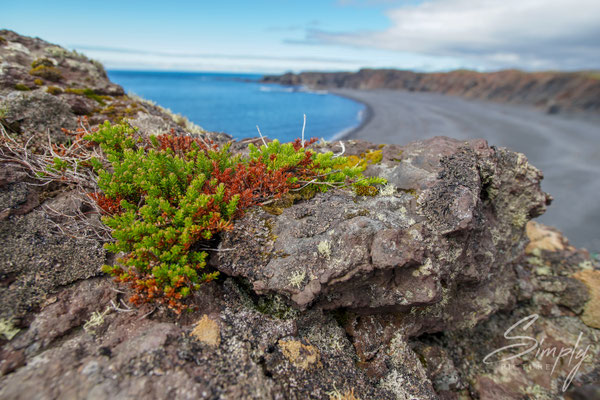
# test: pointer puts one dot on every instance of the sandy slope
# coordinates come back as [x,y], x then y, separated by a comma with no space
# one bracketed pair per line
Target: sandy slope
[565,148]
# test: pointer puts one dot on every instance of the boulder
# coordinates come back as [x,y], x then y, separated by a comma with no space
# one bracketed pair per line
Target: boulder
[442,241]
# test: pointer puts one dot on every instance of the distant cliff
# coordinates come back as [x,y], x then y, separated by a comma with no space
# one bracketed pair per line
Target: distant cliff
[552,91]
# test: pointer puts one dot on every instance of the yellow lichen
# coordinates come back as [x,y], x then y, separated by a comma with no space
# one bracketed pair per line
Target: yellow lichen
[7,329]
[364,159]
[207,331]
[591,311]
[366,190]
[543,238]
[299,354]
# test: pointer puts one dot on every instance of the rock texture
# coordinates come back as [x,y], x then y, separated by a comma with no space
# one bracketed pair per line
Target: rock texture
[403,295]
[552,91]
[449,229]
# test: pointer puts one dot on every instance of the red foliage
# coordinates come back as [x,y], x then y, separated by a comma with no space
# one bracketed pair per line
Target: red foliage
[298,143]
[108,205]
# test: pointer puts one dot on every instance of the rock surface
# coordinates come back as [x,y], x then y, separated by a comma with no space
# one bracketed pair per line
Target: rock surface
[552,91]
[403,295]
[447,231]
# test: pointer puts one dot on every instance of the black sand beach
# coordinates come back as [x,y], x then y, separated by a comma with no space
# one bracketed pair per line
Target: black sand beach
[565,147]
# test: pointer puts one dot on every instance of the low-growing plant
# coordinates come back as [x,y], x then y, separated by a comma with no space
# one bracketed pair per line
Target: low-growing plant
[47,72]
[89,93]
[22,87]
[54,90]
[42,62]
[166,196]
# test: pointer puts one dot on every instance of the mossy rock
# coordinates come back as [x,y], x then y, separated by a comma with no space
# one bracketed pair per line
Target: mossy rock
[21,87]
[45,62]
[54,90]
[49,73]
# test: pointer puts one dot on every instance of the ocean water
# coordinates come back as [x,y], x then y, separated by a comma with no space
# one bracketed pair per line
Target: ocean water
[236,103]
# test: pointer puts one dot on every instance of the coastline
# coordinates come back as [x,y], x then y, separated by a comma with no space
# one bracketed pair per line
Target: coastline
[563,146]
[368,115]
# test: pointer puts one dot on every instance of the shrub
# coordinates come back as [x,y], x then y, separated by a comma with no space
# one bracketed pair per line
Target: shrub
[42,62]
[46,72]
[21,87]
[54,90]
[165,196]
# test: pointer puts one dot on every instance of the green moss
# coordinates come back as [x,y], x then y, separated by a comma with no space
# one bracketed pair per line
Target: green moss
[89,93]
[3,41]
[54,90]
[42,62]
[38,82]
[118,111]
[366,190]
[276,207]
[20,86]
[50,73]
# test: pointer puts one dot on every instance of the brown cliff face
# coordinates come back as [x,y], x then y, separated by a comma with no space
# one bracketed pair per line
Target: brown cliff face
[552,91]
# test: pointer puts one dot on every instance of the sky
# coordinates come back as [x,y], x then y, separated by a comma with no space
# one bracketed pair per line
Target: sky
[262,36]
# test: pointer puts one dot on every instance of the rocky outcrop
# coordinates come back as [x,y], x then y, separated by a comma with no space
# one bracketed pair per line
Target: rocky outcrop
[449,227]
[551,91]
[408,294]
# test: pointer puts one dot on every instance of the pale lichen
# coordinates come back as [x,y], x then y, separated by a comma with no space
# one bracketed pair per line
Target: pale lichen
[297,278]
[96,320]
[388,190]
[7,329]
[324,248]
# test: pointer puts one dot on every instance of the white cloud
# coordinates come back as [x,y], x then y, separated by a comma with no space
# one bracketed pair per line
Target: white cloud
[532,34]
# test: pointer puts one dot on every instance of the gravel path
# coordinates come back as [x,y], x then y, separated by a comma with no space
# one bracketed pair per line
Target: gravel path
[566,148]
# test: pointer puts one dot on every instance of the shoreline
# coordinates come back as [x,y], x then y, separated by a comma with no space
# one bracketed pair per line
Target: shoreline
[564,147]
[369,114]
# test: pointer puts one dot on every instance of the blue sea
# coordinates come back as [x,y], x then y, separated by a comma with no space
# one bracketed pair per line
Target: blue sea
[236,103]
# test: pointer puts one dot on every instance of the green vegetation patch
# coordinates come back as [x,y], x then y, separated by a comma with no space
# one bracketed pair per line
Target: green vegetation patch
[89,93]
[54,90]
[47,72]
[21,87]
[165,195]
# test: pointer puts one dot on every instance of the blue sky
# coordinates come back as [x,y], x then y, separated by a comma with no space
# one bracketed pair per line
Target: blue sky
[277,36]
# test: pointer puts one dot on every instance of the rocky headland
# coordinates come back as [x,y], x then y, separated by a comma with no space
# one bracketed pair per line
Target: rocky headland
[404,294]
[551,91]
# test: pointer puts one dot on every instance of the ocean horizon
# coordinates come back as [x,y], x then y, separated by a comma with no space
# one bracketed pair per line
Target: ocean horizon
[235,103]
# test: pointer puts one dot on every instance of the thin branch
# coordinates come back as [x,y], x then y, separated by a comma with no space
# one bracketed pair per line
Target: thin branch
[303,126]
[343,150]
[261,136]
